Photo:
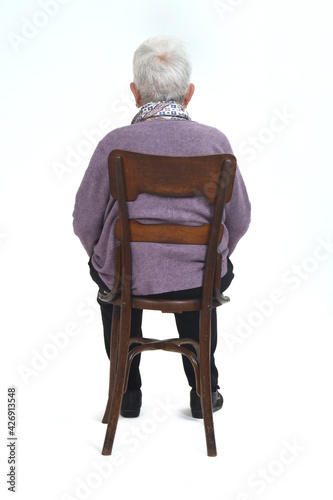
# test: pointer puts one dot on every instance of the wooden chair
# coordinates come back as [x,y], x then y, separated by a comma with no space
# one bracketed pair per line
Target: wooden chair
[130,174]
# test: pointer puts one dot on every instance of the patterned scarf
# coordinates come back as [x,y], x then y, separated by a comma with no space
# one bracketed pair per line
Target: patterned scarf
[164,110]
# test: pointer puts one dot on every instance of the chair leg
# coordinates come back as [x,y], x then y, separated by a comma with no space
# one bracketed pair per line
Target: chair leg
[205,382]
[113,359]
[119,382]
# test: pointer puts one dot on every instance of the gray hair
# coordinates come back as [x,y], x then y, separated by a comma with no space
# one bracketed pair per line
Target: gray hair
[162,70]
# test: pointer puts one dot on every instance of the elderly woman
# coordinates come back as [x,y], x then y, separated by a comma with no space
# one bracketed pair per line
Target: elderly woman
[162,90]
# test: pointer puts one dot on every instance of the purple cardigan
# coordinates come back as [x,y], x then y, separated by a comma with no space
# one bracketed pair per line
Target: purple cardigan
[156,268]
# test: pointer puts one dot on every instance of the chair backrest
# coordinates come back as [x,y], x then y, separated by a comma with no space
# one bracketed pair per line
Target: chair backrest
[132,173]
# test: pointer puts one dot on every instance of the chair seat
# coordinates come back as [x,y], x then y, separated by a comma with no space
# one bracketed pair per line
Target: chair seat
[168,305]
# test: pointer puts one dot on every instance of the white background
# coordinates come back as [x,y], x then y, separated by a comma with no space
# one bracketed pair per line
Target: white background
[63,74]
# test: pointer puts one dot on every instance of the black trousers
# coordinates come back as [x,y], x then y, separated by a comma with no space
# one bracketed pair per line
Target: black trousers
[187,326]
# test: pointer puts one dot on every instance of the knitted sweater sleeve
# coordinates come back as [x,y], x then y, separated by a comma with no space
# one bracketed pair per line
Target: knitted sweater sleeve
[238,210]
[92,199]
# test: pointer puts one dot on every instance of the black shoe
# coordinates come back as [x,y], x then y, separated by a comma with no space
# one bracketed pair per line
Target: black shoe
[195,402]
[131,403]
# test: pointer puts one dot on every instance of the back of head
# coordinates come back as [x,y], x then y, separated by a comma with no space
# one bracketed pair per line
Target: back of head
[162,70]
